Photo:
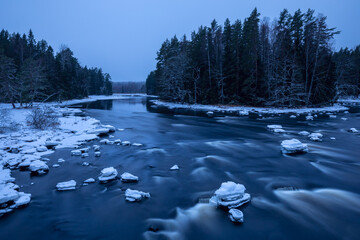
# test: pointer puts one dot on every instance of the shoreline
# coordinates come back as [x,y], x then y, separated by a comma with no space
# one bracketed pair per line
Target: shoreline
[244,111]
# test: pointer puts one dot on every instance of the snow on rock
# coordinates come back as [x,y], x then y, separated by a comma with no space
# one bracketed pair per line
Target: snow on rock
[84,155]
[304,133]
[135,195]
[108,174]
[117,142]
[61,160]
[317,137]
[309,118]
[96,148]
[126,143]
[293,146]
[55,165]
[236,215]
[69,185]
[89,180]
[175,167]
[23,200]
[230,195]
[51,144]
[332,116]
[128,177]
[97,154]
[109,127]
[85,164]
[292,116]
[278,130]
[10,198]
[210,113]
[99,131]
[137,144]
[105,141]
[353,130]
[344,118]
[41,149]
[76,153]
[271,127]
[38,167]
[332,138]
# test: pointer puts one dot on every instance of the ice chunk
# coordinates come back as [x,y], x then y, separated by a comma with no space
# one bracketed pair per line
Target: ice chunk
[175,167]
[304,133]
[76,153]
[108,174]
[126,143]
[8,193]
[60,160]
[109,127]
[230,195]
[85,164]
[137,144]
[278,130]
[105,141]
[316,137]
[23,200]
[332,138]
[135,195]
[293,146]
[128,177]
[84,155]
[292,116]
[63,186]
[55,165]
[97,154]
[96,148]
[38,167]
[236,215]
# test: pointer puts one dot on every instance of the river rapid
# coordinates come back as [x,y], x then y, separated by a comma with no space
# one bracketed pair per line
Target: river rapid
[310,196]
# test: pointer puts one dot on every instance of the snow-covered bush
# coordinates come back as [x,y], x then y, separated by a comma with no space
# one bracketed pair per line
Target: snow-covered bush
[42,117]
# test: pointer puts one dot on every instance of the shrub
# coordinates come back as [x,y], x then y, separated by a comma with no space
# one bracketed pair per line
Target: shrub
[42,117]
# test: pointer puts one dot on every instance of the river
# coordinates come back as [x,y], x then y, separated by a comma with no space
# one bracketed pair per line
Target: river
[310,196]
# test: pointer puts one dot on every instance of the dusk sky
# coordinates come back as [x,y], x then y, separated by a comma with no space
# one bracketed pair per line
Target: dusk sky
[122,37]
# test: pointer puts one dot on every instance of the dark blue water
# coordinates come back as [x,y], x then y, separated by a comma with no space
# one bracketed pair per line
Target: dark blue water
[209,151]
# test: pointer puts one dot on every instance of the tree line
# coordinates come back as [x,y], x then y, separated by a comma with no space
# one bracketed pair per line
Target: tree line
[287,62]
[129,87]
[31,71]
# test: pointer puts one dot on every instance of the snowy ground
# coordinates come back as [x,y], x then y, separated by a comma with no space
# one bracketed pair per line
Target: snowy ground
[22,146]
[242,110]
[349,100]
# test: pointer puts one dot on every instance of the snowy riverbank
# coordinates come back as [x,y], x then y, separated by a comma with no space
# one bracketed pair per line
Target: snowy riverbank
[242,110]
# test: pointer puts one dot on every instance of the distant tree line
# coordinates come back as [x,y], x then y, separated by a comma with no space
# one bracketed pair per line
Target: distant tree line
[129,87]
[289,62]
[30,71]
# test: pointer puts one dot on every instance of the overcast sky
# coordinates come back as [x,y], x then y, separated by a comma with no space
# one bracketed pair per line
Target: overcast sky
[122,37]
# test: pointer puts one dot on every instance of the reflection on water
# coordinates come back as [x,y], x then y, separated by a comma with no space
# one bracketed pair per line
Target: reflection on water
[310,196]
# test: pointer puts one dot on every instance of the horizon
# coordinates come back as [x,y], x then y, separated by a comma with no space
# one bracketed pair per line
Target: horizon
[100,42]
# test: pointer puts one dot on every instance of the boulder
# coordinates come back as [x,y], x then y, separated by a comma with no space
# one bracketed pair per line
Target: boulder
[89,180]
[96,148]
[304,133]
[317,137]
[236,215]
[353,130]
[128,177]
[97,154]
[76,153]
[41,149]
[38,167]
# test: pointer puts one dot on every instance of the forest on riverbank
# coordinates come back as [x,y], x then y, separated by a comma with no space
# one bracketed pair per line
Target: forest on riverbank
[288,62]
[31,71]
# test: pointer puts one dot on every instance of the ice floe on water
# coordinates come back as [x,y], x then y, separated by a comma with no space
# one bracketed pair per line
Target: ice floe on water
[293,146]
[317,137]
[175,167]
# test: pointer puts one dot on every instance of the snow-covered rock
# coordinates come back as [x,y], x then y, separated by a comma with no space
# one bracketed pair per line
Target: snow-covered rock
[278,130]
[210,113]
[304,133]
[271,127]
[128,177]
[332,138]
[105,141]
[85,164]
[309,118]
[84,155]
[175,167]
[230,195]
[76,153]
[332,116]
[135,195]
[51,144]
[89,180]
[96,148]
[344,118]
[108,174]
[109,127]
[69,185]
[41,149]
[97,154]
[292,116]
[293,146]
[61,160]
[99,131]
[84,150]
[23,200]
[38,167]
[137,145]
[317,137]
[117,141]
[55,165]
[126,143]
[236,215]
[353,130]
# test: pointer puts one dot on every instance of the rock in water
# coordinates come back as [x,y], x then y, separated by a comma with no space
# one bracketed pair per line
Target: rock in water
[105,141]
[89,180]
[175,167]
[63,186]
[135,195]
[38,167]
[76,153]
[97,154]
[108,174]
[210,113]
[271,127]
[309,118]
[236,215]
[353,130]
[230,195]
[128,177]
[96,148]
[293,146]
[317,137]
[41,149]
[304,133]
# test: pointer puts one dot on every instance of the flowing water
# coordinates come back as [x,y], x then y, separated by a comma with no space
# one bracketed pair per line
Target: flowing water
[310,196]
